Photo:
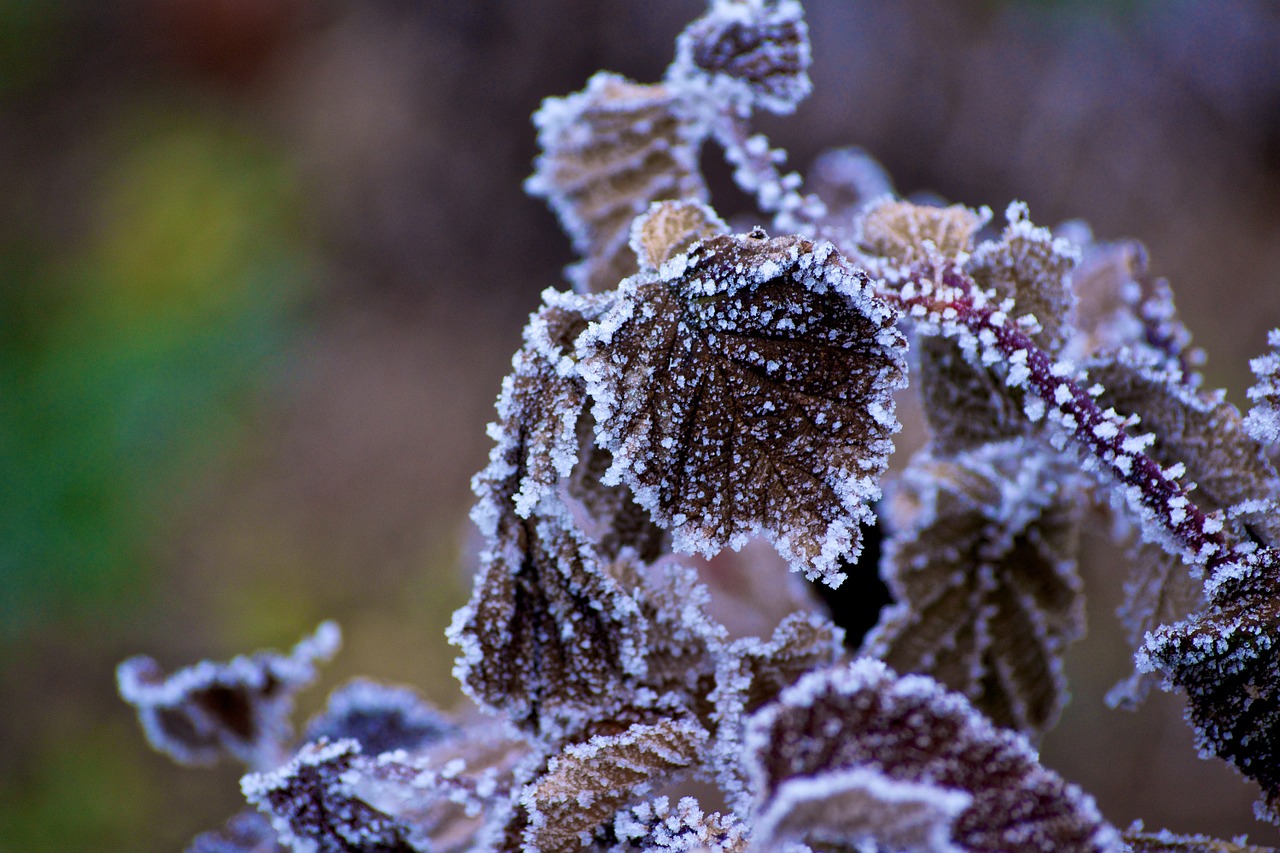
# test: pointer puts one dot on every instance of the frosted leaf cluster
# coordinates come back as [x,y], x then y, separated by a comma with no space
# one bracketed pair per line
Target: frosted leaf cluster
[701,391]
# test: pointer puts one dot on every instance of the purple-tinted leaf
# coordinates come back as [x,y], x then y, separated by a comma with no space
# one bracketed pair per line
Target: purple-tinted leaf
[247,832]
[922,747]
[1167,842]
[657,826]
[201,713]
[380,718]
[749,390]
[1263,420]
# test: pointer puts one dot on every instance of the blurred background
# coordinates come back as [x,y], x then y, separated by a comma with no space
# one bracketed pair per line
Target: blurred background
[264,262]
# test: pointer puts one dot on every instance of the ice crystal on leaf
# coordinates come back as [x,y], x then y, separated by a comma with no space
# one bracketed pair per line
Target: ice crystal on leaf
[748,390]
[380,718]
[981,563]
[925,769]
[241,709]
[905,232]
[1263,420]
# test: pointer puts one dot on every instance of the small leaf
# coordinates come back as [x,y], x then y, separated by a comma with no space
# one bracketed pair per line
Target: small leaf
[312,807]
[607,153]
[1034,267]
[204,712]
[670,228]
[965,405]
[981,563]
[908,233]
[247,832]
[758,50]
[1166,842]
[380,718]
[749,391]
[587,783]
[925,754]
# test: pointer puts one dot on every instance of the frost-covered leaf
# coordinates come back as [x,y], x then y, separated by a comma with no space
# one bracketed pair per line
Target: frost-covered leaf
[907,233]
[966,405]
[1200,431]
[925,750]
[547,633]
[669,228]
[202,713]
[754,672]
[312,806]
[1263,420]
[1159,591]
[607,153]
[1227,661]
[981,563]
[380,717]
[656,825]
[1165,841]
[749,390]
[586,784]
[1033,267]
[247,832]
[748,53]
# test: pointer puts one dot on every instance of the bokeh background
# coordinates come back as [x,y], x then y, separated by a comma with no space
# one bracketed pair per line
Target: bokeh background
[264,262]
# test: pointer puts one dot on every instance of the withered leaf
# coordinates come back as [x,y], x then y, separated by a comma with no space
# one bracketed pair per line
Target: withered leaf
[656,825]
[205,712]
[380,717]
[749,391]
[900,230]
[312,807]
[247,832]
[760,45]
[1227,661]
[1034,267]
[547,634]
[753,672]
[1201,431]
[965,405]
[669,228]
[920,745]
[587,783]
[607,153]
[981,563]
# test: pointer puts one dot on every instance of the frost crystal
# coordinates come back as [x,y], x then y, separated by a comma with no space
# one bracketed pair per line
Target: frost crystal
[749,390]
[1263,420]
[201,713]
[380,718]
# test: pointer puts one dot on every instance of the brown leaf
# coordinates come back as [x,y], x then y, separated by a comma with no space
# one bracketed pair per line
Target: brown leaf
[749,391]
[900,230]
[607,153]
[863,736]
[981,564]
[1034,267]
[587,783]
[206,712]
[657,825]
[1167,842]
[669,228]
[965,405]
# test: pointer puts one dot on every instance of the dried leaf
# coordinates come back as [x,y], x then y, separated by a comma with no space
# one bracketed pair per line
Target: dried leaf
[311,805]
[1033,267]
[547,634]
[754,672]
[965,405]
[758,50]
[586,785]
[1108,289]
[204,712]
[1226,661]
[380,718]
[669,228]
[908,233]
[981,564]
[1202,432]
[749,391]
[607,153]
[922,747]
[1263,420]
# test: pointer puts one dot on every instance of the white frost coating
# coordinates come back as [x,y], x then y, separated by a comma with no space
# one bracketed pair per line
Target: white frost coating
[1263,420]
[862,805]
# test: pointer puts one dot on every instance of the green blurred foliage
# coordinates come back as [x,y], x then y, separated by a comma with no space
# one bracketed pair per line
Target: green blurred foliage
[125,361]
[29,41]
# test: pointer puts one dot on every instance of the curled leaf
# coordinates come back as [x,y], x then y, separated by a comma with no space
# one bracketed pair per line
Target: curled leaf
[202,713]
[966,405]
[931,767]
[906,233]
[981,563]
[749,390]
[669,228]
[1034,267]
[312,807]
[758,50]
[607,153]
[587,784]
[380,718]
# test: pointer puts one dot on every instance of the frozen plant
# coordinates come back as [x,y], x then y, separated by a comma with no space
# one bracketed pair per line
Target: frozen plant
[700,388]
